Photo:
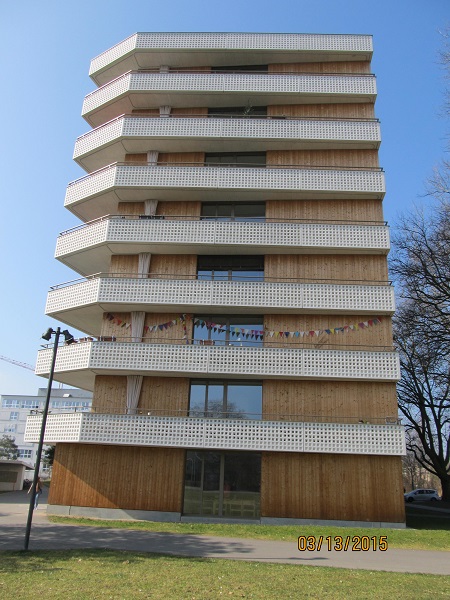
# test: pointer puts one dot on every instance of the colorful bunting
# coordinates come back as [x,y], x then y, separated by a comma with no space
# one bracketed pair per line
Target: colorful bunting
[247,333]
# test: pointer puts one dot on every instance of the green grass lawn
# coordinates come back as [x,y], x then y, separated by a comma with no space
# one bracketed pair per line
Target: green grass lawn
[104,574]
[417,539]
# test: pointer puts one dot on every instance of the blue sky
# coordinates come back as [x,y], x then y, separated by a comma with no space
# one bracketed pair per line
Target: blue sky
[45,51]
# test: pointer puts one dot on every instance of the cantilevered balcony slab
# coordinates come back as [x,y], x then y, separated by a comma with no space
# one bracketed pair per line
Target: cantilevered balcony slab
[218,434]
[98,194]
[151,50]
[81,305]
[78,364]
[143,90]
[88,249]
[110,143]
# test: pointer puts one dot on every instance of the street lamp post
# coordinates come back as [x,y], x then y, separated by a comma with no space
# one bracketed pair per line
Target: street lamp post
[46,336]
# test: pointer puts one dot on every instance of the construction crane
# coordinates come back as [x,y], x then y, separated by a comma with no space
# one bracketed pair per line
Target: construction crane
[17,363]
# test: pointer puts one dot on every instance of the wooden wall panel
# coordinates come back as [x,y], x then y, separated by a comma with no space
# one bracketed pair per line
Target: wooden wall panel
[174,264]
[181,158]
[323,158]
[330,268]
[308,400]
[130,208]
[113,329]
[136,158]
[165,396]
[331,486]
[123,477]
[175,334]
[317,211]
[110,394]
[124,264]
[379,335]
[324,111]
[176,209]
[322,67]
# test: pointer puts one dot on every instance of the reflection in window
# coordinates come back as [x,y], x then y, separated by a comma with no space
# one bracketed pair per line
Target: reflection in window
[230,399]
[228,330]
[240,268]
[222,484]
[245,159]
[230,211]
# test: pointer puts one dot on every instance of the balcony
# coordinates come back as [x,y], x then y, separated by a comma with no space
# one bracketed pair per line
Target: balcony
[150,50]
[219,434]
[82,305]
[98,194]
[132,134]
[78,364]
[143,89]
[88,249]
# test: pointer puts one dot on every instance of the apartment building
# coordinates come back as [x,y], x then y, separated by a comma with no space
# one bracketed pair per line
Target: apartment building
[15,409]
[234,295]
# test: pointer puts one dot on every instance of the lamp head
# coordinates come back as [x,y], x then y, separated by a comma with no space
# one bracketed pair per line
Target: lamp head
[48,334]
[68,337]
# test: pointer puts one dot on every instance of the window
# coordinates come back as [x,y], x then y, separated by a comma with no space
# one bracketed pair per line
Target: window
[228,330]
[225,399]
[14,416]
[10,428]
[240,159]
[230,211]
[230,268]
[222,484]
[25,453]
[238,111]
[22,404]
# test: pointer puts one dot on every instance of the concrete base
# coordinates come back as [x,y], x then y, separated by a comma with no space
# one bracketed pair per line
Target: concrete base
[120,514]
[321,522]
[115,514]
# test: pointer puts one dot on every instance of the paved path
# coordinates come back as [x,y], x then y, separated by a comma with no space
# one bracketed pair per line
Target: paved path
[51,536]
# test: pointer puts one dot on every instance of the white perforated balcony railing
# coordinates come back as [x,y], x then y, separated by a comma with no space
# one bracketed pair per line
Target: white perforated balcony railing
[143,89]
[131,134]
[88,249]
[81,305]
[147,50]
[220,434]
[78,364]
[98,194]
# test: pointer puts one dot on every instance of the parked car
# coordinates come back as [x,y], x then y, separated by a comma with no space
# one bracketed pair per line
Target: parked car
[421,495]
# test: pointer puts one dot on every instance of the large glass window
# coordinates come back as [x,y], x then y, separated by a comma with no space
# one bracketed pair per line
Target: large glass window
[244,159]
[240,268]
[230,211]
[228,330]
[238,111]
[226,399]
[223,484]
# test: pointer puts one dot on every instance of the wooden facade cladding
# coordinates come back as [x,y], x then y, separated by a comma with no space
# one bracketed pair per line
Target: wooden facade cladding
[159,395]
[118,477]
[318,211]
[323,111]
[329,487]
[342,67]
[343,401]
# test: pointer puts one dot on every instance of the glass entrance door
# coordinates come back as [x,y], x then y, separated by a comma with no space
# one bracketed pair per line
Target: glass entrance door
[223,484]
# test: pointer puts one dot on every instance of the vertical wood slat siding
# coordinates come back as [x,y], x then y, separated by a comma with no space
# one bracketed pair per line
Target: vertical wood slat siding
[357,400]
[342,487]
[123,477]
[318,211]
[324,111]
[323,158]
[326,267]
[353,67]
